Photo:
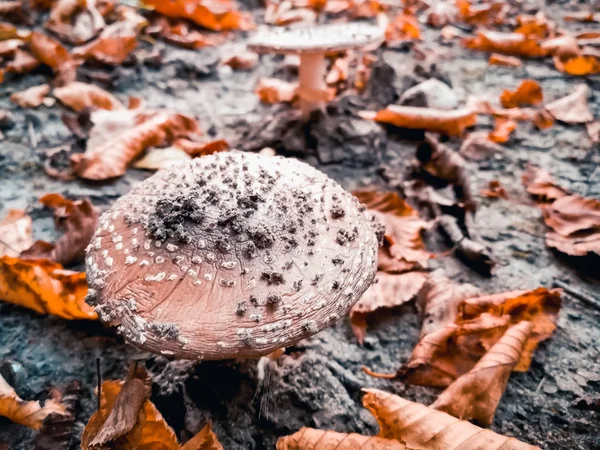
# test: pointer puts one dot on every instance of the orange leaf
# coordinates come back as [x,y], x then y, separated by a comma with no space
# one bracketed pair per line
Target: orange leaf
[503,60]
[403,27]
[29,414]
[389,291]
[423,428]
[573,108]
[495,190]
[512,44]
[273,90]
[79,96]
[75,21]
[180,33]
[483,14]
[241,60]
[541,185]
[16,233]
[578,65]
[51,53]
[313,439]
[196,149]
[503,128]
[205,439]
[529,93]
[32,97]
[452,123]
[113,46]
[160,158]
[45,287]
[476,394]
[534,26]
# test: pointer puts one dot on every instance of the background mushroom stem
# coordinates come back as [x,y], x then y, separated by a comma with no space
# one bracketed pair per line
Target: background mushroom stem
[312,89]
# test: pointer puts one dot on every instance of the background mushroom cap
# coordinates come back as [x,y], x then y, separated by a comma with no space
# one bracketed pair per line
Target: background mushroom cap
[230,255]
[333,37]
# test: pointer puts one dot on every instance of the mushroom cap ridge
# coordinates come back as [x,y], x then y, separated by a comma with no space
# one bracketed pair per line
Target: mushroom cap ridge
[230,255]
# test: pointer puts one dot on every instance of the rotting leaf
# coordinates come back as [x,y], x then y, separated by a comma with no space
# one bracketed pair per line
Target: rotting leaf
[79,96]
[539,183]
[423,428]
[529,93]
[273,90]
[45,287]
[311,438]
[573,108]
[390,290]
[452,123]
[16,232]
[30,414]
[476,394]
[511,44]
[32,97]
[118,138]
[78,220]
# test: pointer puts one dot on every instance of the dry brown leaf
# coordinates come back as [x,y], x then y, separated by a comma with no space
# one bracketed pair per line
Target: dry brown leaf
[181,33]
[390,290]
[16,232]
[539,117]
[478,147]
[32,97]
[241,60]
[203,148]
[476,394]
[119,137]
[21,62]
[214,15]
[539,183]
[160,158]
[77,219]
[512,44]
[51,53]
[75,21]
[503,128]
[503,60]
[273,90]
[582,16]
[205,439]
[313,439]
[45,287]
[535,26]
[113,46]
[29,414]
[481,14]
[79,96]
[423,428]
[529,93]
[339,70]
[495,190]
[593,129]
[578,65]
[441,14]
[405,26]
[452,123]
[573,108]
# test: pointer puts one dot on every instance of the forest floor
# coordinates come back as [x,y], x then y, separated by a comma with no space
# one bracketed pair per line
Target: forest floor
[318,382]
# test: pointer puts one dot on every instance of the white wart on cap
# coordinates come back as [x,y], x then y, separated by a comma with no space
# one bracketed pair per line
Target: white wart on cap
[230,255]
[312,44]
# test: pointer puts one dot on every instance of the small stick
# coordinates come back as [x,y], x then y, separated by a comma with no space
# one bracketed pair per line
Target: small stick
[576,293]
[99,377]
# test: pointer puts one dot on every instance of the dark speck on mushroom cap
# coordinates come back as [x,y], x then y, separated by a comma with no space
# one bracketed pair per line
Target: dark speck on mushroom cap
[230,255]
[321,38]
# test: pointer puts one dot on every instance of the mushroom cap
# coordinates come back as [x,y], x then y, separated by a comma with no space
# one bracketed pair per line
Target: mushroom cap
[327,38]
[230,255]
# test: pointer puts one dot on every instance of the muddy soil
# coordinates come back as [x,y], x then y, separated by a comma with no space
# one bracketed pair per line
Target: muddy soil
[318,382]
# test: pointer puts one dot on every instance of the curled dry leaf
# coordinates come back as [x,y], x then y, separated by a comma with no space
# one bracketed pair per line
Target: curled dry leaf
[51,53]
[45,287]
[476,394]
[160,158]
[196,149]
[273,90]
[16,233]
[78,220]
[575,222]
[539,183]
[79,96]
[503,128]
[119,137]
[217,16]
[29,414]
[113,46]
[573,108]
[22,62]
[512,44]
[32,97]
[452,123]
[529,93]
[75,21]
[311,438]
[390,290]
[423,428]
[497,59]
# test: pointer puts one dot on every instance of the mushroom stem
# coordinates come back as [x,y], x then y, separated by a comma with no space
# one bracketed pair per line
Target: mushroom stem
[312,87]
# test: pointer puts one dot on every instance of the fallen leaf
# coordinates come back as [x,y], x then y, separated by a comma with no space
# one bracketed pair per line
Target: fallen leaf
[205,439]
[110,151]
[113,46]
[16,232]
[441,14]
[451,123]
[53,54]
[180,33]
[593,129]
[77,219]
[214,15]
[478,147]
[539,183]
[390,290]
[502,60]
[196,149]
[45,287]
[529,93]
[241,60]
[273,90]
[495,190]
[582,16]
[404,26]
[535,26]
[578,65]
[30,414]
[423,428]
[476,394]
[32,97]
[339,70]
[21,62]
[539,117]
[311,438]
[9,31]
[503,128]
[79,96]
[481,14]
[512,44]
[573,108]
[75,21]
[564,47]
[160,158]
[57,429]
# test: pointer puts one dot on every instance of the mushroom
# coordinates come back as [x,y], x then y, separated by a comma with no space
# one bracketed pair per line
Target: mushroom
[312,44]
[230,255]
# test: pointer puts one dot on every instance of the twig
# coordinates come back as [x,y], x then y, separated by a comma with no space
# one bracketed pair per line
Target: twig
[576,293]
[99,377]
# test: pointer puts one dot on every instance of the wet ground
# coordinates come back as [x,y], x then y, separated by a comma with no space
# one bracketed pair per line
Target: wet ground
[318,382]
